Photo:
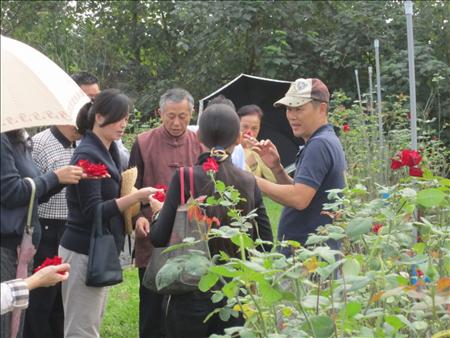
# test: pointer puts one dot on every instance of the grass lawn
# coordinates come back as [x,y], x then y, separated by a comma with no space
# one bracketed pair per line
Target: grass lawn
[122,309]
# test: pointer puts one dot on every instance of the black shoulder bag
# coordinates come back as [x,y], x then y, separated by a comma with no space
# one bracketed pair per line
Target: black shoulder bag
[104,267]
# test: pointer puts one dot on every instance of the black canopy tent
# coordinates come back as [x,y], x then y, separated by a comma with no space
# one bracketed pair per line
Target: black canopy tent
[247,89]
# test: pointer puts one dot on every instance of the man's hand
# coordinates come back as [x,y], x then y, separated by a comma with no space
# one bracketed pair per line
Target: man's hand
[268,153]
[142,227]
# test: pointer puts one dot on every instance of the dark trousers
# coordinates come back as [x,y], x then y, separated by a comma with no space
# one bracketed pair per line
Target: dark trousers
[186,314]
[45,314]
[151,312]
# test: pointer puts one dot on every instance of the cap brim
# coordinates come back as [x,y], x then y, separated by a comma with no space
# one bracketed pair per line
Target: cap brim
[291,102]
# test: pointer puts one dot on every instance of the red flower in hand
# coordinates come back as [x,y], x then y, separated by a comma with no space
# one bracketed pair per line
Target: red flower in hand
[210,165]
[419,273]
[160,196]
[345,128]
[93,170]
[377,227]
[56,260]
[161,186]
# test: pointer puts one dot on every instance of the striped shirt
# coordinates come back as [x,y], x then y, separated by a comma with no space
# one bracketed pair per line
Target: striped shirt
[14,295]
[51,151]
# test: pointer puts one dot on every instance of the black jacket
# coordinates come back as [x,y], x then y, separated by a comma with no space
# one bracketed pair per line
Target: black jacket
[16,164]
[228,173]
[83,198]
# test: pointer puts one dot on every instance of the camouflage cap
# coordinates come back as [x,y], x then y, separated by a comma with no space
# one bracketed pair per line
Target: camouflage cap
[303,91]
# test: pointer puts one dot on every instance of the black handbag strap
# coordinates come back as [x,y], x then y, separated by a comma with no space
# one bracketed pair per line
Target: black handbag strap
[97,228]
[30,205]
[191,184]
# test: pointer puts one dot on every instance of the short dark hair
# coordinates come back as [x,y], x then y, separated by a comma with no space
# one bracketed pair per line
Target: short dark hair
[250,109]
[223,100]
[84,78]
[110,103]
[218,126]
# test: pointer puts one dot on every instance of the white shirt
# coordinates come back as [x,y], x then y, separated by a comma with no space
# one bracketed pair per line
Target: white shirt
[14,295]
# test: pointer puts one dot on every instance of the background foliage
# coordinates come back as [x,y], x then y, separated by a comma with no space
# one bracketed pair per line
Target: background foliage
[145,47]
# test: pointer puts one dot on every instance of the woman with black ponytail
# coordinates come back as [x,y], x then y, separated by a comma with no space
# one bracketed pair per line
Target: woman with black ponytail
[16,164]
[219,131]
[101,123]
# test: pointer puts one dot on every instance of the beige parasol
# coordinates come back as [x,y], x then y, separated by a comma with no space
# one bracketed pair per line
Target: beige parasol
[35,91]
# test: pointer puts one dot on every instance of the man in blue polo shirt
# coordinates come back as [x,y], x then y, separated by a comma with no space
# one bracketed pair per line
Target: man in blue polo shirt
[320,164]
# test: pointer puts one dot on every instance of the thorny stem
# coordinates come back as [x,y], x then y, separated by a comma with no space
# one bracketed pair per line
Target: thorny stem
[297,291]
[258,308]
[345,298]
[332,307]
[318,296]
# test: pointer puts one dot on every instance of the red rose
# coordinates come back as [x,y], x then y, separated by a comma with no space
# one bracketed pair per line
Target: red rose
[159,195]
[416,172]
[91,169]
[395,164]
[345,128]
[419,273]
[376,228]
[56,260]
[410,157]
[210,165]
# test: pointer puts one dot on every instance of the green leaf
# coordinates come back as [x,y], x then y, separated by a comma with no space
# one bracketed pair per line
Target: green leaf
[217,297]
[359,226]
[395,322]
[430,197]
[224,271]
[268,293]
[419,248]
[323,326]
[207,282]
[230,289]
[220,186]
[225,314]
[419,325]
[314,239]
[247,241]
[357,283]
[324,272]
[326,253]
[418,259]
[352,309]
[310,302]
[351,267]
[211,201]
[402,280]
